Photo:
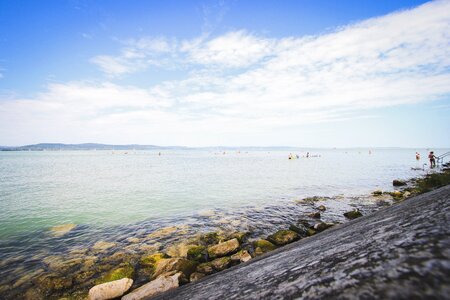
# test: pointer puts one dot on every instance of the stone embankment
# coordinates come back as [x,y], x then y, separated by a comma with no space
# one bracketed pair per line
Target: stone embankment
[401,252]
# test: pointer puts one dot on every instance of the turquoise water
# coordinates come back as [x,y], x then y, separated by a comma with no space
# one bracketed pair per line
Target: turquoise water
[104,188]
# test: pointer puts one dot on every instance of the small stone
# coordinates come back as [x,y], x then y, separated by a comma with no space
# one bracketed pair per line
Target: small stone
[406,194]
[353,214]
[60,230]
[224,248]
[196,276]
[263,246]
[315,215]
[283,237]
[397,182]
[222,263]
[241,256]
[397,195]
[161,284]
[205,268]
[322,226]
[322,208]
[187,267]
[110,290]
[377,193]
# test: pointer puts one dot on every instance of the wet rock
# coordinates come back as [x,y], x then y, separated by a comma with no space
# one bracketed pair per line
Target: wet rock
[149,248]
[102,246]
[406,194]
[205,268]
[33,294]
[315,215]
[208,239]
[263,246]
[206,213]
[49,283]
[222,263]
[240,236]
[27,278]
[187,267]
[152,259]
[306,223]
[322,226]
[224,248]
[110,290]
[397,195]
[322,208]
[397,182]
[197,253]
[179,250]
[377,193]
[60,264]
[83,276]
[133,240]
[283,237]
[60,230]
[241,256]
[163,232]
[353,214]
[124,271]
[300,229]
[159,285]
[311,232]
[196,276]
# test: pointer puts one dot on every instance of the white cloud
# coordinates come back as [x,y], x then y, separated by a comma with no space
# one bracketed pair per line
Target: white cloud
[242,84]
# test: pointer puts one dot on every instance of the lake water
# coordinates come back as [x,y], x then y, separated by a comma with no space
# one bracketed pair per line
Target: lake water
[114,195]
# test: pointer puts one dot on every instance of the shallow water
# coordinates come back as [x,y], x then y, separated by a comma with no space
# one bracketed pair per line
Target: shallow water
[112,196]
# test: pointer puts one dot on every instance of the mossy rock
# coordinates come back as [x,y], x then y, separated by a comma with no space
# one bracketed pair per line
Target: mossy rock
[397,195]
[283,237]
[353,214]
[222,263]
[300,229]
[315,215]
[210,238]
[197,253]
[205,268]
[397,182]
[50,283]
[185,266]
[240,236]
[124,271]
[377,193]
[322,226]
[152,259]
[263,246]
[223,249]
[311,232]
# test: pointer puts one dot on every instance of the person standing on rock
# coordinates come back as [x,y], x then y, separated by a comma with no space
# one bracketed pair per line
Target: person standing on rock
[432,159]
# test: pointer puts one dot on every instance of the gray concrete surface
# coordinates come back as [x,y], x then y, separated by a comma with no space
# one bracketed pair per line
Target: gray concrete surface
[401,252]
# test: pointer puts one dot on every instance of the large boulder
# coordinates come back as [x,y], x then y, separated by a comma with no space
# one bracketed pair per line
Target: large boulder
[110,290]
[283,237]
[224,248]
[185,266]
[159,285]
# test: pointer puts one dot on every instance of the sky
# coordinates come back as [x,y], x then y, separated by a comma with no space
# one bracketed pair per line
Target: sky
[307,73]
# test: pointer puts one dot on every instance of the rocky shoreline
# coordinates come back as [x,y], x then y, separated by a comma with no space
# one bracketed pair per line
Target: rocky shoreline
[138,275]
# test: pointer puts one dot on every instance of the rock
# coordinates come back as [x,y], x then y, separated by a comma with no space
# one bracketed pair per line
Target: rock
[263,246]
[353,214]
[83,276]
[159,285]
[311,232]
[322,208]
[322,226]
[197,253]
[52,282]
[187,267]
[300,229]
[241,256]
[205,268]
[397,182]
[283,237]
[133,240]
[162,232]
[406,194]
[110,290]
[315,215]
[222,263]
[152,259]
[60,264]
[377,193]
[396,195]
[206,213]
[306,223]
[179,250]
[240,236]
[27,278]
[124,271]
[60,230]
[196,276]
[102,245]
[224,248]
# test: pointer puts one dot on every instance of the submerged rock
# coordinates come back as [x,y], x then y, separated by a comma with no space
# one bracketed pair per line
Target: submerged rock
[124,271]
[209,238]
[222,263]
[159,285]
[51,282]
[196,276]
[241,256]
[187,267]
[224,248]
[179,250]
[315,215]
[60,230]
[102,245]
[397,182]
[353,214]
[162,232]
[110,290]
[283,237]
[263,246]
[377,193]
[152,259]
[197,253]
[322,208]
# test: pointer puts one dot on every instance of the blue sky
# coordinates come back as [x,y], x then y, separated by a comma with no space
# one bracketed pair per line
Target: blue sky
[203,73]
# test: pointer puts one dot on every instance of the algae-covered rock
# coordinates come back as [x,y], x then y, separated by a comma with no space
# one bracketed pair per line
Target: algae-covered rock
[224,248]
[263,246]
[209,238]
[52,282]
[60,230]
[197,253]
[110,290]
[397,182]
[205,268]
[300,229]
[322,208]
[159,285]
[353,214]
[221,263]
[322,226]
[241,256]
[397,195]
[185,266]
[315,215]
[152,259]
[377,193]
[179,250]
[283,237]
[103,246]
[124,271]
[311,232]
[196,276]
[240,236]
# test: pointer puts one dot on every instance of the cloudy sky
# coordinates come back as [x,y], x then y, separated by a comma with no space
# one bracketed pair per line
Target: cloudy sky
[231,73]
